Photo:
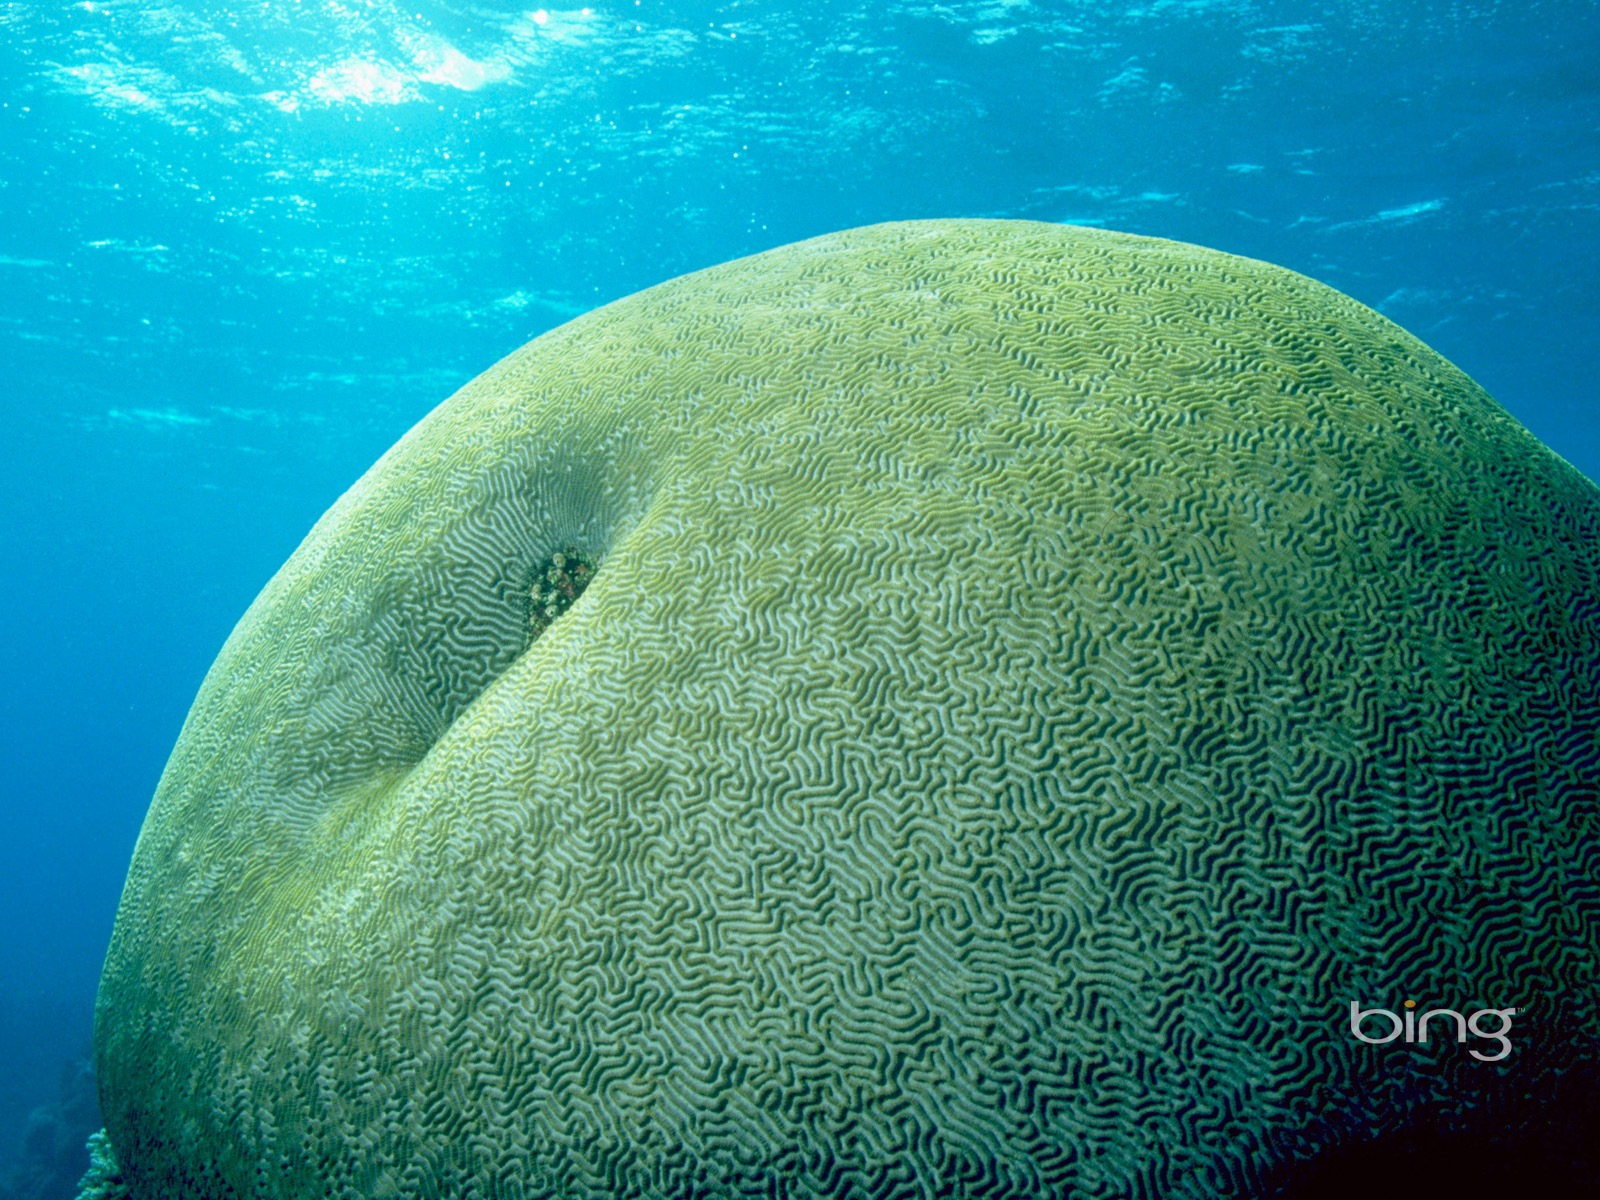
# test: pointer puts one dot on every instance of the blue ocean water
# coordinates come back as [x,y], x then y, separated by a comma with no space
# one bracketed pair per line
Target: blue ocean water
[243,247]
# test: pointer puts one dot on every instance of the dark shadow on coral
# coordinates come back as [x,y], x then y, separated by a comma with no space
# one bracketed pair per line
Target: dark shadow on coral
[1513,1146]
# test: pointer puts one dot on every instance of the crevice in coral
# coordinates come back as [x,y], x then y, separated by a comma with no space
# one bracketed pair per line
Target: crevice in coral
[554,585]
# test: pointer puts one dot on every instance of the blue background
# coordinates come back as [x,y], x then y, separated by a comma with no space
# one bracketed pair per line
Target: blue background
[243,247]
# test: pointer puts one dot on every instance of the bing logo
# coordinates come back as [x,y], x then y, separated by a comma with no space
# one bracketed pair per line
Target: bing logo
[1415,1027]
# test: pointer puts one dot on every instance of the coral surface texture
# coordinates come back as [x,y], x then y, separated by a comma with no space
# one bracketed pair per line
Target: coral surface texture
[948,707]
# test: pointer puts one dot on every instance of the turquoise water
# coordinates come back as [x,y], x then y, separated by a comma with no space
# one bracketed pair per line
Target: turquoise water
[244,247]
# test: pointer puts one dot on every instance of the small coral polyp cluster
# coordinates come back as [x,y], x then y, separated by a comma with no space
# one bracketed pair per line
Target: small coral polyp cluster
[556,584]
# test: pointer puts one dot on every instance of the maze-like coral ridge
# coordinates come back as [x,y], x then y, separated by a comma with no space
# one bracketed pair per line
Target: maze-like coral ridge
[1031,680]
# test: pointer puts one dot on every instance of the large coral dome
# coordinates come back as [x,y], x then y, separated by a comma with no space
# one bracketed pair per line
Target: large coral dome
[957,705]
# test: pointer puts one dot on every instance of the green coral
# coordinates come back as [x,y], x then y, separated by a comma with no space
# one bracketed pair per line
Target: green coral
[103,1180]
[1038,677]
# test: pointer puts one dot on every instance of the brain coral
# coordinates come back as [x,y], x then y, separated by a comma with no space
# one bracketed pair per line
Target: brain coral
[1004,690]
